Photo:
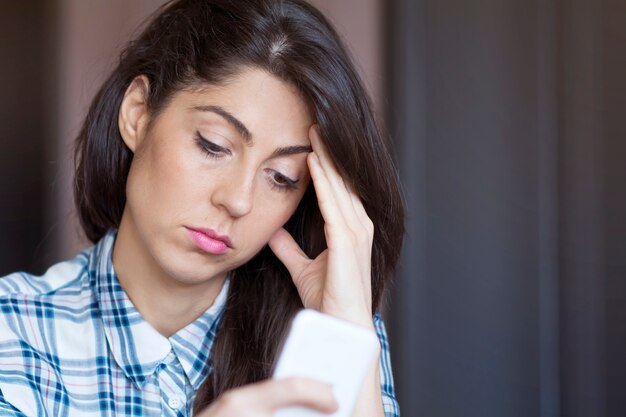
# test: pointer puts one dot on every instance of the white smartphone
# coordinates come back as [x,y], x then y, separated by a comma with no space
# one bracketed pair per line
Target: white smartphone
[329,350]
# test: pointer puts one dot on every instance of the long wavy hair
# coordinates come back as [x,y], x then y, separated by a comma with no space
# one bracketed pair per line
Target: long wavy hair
[195,42]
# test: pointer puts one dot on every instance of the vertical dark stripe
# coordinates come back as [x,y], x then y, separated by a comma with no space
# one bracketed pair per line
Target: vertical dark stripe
[405,27]
[548,245]
[614,125]
[580,210]
[22,135]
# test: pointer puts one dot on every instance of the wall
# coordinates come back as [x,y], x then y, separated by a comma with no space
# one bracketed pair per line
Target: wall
[509,119]
[23,134]
[90,36]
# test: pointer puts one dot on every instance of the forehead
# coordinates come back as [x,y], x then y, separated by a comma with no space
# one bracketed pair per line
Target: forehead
[264,103]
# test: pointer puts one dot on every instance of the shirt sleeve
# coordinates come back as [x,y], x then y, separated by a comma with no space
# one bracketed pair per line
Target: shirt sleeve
[390,404]
[7,410]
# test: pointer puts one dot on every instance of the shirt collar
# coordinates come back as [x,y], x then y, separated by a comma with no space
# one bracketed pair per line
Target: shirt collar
[192,344]
[135,345]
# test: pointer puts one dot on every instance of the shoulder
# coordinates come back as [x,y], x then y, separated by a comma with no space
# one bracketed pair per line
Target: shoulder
[38,316]
[390,403]
[381,331]
[29,304]
[55,278]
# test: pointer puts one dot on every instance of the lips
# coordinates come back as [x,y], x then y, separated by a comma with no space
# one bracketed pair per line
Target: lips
[209,240]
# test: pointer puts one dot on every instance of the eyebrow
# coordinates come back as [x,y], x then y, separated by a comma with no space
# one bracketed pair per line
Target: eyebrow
[291,150]
[247,136]
[241,128]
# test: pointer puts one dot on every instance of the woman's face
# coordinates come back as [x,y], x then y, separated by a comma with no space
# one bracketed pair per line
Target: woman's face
[218,171]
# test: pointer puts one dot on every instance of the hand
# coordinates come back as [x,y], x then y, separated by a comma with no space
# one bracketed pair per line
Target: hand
[264,398]
[338,281]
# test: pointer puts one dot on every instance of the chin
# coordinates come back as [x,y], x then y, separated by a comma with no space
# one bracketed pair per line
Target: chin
[190,269]
[196,277]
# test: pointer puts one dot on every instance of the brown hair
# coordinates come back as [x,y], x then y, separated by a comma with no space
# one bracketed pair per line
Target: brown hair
[191,42]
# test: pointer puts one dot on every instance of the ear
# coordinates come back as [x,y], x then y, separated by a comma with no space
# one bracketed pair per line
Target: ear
[133,116]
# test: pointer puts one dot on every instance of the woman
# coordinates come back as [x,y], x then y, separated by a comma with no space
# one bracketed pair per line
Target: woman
[230,172]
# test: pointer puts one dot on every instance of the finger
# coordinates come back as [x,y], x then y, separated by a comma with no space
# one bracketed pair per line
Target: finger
[345,194]
[288,252]
[326,161]
[359,209]
[279,393]
[303,392]
[338,186]
[326,198]
[320,148]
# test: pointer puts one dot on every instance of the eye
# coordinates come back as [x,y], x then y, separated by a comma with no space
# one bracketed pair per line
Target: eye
[209,148]
[281,182]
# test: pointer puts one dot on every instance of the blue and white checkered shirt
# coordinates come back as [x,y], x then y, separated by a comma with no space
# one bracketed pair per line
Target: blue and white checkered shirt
[73,344]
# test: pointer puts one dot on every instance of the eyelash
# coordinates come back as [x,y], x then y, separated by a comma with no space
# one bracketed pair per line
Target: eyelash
[287,186]
[212,150]
[209,148]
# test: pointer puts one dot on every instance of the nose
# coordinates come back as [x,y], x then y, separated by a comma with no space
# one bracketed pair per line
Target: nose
[235,194]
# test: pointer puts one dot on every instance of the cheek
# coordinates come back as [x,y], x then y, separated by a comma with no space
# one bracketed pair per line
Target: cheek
[276,211]
[158,180]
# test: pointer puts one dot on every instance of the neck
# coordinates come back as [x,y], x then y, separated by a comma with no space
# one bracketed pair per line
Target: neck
[166,303]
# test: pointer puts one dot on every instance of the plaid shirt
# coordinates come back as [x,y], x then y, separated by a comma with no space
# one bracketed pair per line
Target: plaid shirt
[73,344]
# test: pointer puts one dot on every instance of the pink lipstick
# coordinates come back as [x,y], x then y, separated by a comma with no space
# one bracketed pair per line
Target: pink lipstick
[209,241]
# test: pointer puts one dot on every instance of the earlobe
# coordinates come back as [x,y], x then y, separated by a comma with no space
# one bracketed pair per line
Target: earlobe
[133,114]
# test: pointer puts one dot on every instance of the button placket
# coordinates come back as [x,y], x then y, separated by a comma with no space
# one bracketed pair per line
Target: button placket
[175,403]
[172,385]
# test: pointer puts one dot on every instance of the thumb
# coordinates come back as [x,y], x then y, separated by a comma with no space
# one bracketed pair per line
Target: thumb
[287,250]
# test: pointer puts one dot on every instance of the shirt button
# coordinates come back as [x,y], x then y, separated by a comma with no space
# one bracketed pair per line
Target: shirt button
[174,403]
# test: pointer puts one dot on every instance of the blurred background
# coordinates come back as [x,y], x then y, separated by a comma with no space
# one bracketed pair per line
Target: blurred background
[508,121]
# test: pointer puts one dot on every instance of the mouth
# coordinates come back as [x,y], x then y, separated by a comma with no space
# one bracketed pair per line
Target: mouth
[209,240]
